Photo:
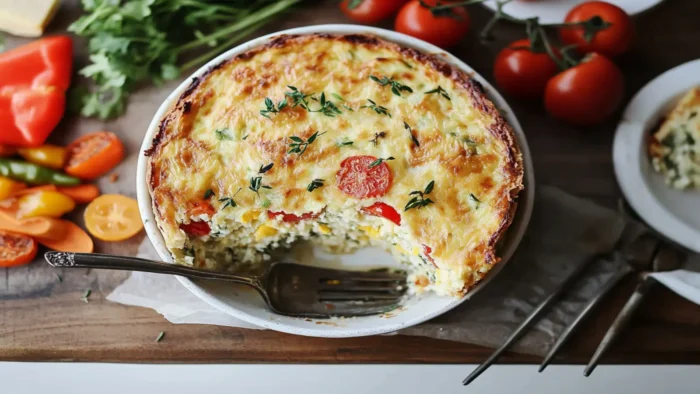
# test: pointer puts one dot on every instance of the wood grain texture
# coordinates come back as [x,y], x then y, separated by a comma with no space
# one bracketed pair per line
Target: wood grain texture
[43,319]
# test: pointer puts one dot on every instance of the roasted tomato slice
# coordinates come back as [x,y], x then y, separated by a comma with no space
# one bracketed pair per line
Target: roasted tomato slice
[290,217]
[201,208]
[197,229]
[359,179]
[383,210]
[16,249]
[93,155]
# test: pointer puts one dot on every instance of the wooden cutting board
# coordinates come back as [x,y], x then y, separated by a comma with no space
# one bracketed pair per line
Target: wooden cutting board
[42,318]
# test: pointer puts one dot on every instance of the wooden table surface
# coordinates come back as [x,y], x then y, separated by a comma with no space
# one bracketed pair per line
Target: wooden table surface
[42,319]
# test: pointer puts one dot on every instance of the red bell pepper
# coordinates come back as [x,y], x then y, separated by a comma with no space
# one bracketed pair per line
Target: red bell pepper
[33,83]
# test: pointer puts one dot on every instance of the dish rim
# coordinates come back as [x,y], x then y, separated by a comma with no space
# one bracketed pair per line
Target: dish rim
[630,148]
[513,235]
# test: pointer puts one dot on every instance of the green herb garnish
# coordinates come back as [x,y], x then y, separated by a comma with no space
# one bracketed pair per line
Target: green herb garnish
[270,107]
[160,336]
[377,136]
[474,200]
[396,87]
[439,90]
[377,108]
[86,295]
[223,134]
[419,200]
[315,184]
[413,136]
[132,43]
[340,144]
[229,201]
[208,194]
[327,108]
[336,95]
[244,137]
[60,279]
[264,169]
[256,184]
[380,161]
[298,145]
[298,97]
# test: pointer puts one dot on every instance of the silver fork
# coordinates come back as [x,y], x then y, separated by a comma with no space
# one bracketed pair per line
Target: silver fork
[287,288]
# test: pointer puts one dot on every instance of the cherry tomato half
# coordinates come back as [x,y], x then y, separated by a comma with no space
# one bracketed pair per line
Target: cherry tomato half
[93,155]
[444,31]
[357,178]
[616,39]
[16,249]
[383,210]
[587,93]
[521,72]
[370,11]
[292,218]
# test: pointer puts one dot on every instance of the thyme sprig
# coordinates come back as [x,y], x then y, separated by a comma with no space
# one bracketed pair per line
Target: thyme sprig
[419,200]
[256,184]
[377,136]
[315,184]
[327,108]
[298,97]
[439,90]
[377,108]
[396,87]
[413,136]
[298,145]
[270,107]
[380,161]
[265,168]
[208,194]
[474,200]
[229,201]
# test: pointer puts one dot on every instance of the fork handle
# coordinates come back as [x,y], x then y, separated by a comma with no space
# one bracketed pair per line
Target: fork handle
[125,263]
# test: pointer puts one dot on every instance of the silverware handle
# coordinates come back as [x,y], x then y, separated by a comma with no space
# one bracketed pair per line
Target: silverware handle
[590,306]
[645,284]
[125,263]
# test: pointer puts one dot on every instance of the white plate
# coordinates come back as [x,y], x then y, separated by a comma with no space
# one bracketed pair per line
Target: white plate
[554,11]
[245,304]
[672,212]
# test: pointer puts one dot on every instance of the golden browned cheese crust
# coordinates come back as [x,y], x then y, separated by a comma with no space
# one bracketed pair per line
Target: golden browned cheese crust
[215,138]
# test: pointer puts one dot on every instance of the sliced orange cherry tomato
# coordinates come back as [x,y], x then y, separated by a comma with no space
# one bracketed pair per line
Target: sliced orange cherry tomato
[8,187]
[292,218]
[383,210]
[357,178]
[93,155]
[16,249]
[197,229]
[113,217]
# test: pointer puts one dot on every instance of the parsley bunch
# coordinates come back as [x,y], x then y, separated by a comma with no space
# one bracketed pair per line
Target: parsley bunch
[136,41]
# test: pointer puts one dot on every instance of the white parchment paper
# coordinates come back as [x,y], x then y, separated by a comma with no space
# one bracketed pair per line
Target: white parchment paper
[565,231]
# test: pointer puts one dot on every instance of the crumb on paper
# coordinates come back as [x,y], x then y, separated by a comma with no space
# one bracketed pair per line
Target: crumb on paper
[160,336]
[328,323]
[86,296]
[114,177]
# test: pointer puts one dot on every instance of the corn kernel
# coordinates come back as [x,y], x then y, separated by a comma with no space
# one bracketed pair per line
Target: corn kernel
[264,231]
[371,231]
[250,216]
[324,229]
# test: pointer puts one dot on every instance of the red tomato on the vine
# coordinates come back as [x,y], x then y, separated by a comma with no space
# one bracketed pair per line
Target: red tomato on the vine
[587,93]
[521,72]
[444,30]
[370,11]
[614,40]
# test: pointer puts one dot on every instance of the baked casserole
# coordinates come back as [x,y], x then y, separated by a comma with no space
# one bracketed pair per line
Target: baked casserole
[342,140]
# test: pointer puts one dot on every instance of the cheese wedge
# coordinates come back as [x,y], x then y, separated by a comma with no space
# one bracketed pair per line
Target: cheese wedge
[27,18]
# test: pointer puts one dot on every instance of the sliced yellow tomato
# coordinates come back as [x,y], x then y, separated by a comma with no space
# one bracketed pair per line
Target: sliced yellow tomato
[113,217]
[44,203]
[51,156]
[9,187]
